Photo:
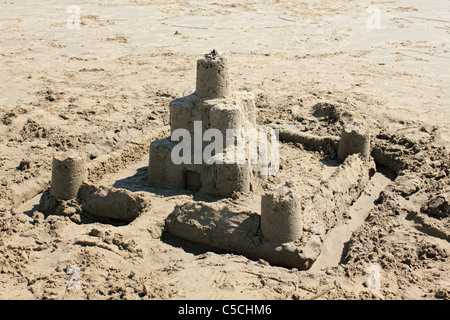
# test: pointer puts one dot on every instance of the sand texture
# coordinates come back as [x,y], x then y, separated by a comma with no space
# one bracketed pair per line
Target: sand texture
[374,227]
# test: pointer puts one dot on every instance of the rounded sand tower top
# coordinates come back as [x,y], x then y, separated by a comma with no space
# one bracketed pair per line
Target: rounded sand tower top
[212,76]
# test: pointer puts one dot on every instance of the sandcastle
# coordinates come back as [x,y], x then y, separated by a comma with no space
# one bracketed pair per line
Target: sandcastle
[276,233]
[215,148]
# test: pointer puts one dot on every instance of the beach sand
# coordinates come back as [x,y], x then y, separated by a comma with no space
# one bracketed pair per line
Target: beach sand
[98,77]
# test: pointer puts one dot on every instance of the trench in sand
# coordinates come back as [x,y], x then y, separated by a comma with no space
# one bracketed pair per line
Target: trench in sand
[334,246]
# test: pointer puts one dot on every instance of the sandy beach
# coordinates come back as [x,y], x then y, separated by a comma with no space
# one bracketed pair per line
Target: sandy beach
[98,78]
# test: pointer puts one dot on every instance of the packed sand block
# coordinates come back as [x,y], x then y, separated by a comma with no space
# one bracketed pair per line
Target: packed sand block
[68,173]
[206,119]
[281,219]
[236,111]
[354,139]
[111,203]
[95,203]
[220,179]
[220,227]
[212,76]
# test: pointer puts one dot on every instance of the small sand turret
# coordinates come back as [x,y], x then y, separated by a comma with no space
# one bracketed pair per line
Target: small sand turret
[281,219]
[68,173]
[212,76]
[354,139]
